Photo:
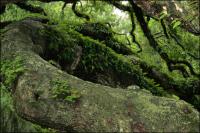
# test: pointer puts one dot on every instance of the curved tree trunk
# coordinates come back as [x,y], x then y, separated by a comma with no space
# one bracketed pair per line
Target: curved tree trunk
[93,107]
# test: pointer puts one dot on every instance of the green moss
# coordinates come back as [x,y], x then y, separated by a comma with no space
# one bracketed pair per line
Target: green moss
[106,57]
[60,47]
[10,69]
[96,30]
[63,91]
[97,57]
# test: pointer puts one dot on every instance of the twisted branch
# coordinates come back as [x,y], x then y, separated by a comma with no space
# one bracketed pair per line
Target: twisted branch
[78,13]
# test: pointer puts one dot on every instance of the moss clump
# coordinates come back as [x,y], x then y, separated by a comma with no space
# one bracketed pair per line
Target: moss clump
[98,56]
[10,70]
[60,48]
[63,91]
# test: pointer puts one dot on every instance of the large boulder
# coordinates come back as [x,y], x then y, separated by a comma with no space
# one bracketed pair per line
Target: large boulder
[45,95]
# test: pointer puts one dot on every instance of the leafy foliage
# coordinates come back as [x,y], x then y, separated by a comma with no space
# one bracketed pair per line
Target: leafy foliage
[175,23]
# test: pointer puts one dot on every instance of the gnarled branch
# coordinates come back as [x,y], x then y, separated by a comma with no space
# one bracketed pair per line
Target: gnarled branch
[140,17]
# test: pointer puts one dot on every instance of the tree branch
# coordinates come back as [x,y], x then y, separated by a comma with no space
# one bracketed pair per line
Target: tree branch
[78,13]
[164,28]
[30,8]
[139,15]
[132,33]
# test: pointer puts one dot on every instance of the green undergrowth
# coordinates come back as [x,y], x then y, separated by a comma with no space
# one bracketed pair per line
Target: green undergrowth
[62,90]
[10,121]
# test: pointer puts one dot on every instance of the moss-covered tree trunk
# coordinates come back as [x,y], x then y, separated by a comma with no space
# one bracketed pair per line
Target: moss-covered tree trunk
[45,95]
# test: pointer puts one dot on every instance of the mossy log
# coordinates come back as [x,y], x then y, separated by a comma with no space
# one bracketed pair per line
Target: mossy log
[92,107]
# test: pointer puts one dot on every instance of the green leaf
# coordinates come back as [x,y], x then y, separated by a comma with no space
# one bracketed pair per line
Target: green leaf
[163,15]
[176,24]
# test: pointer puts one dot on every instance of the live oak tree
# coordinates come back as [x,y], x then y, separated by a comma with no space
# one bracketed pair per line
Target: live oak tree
[100,65]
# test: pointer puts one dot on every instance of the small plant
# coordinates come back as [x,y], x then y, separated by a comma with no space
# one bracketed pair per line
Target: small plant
[10,69]
[63,91]
[175,23]
[155,88]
